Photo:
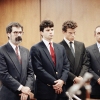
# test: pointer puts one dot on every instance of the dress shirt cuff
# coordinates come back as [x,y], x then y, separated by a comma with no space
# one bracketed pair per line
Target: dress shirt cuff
[20,87]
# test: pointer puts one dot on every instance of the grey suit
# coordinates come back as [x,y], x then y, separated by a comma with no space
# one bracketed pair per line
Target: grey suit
[0,85]
[94,58]
[12,73]
[78,65]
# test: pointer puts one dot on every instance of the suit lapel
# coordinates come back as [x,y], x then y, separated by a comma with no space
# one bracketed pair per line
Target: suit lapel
[77,55]
[24,61]
[13,57]
[47,53]
[69,54]
[96,53]
[56,54]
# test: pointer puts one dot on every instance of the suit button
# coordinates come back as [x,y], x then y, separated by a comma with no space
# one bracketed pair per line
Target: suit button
[56,72]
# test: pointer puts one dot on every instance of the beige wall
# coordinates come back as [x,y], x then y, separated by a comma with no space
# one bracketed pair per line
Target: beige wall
[31,12]
[26,12]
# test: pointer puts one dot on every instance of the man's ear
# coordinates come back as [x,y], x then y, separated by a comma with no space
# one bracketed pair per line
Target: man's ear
[8,34]
[41,33]
[94,34]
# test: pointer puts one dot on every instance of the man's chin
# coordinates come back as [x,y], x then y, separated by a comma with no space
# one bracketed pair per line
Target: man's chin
[18,42]
[51,37]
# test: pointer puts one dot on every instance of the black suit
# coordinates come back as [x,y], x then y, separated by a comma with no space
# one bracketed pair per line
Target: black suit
[12,73]
[94,58]
[45,70]
[78,64]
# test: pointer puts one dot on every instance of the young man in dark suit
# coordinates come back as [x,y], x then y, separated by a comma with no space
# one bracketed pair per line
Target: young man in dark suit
[50,65]
[76,53]
[93,53]
[16,73]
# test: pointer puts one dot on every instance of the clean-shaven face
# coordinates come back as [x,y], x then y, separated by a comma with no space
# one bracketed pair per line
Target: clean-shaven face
[48,33]
[16,32]
[70,34]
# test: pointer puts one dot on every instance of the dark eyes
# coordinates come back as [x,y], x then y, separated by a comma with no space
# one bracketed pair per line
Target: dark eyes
[17,32]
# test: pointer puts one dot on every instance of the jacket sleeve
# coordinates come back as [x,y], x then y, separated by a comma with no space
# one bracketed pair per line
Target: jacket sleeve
[5,77]
[66,66]
[85,62]
[30,82]
[95,76]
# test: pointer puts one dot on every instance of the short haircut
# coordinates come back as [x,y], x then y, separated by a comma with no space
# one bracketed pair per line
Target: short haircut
[13,24]
[45,24]
[96,28]
[69,24]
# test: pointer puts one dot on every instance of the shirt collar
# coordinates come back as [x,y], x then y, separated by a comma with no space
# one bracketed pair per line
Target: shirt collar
[67,41]
[46,42]
[98,45]
[13,46]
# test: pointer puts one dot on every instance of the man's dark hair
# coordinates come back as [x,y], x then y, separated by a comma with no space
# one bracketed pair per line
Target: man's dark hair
[68,24]
[13,24]
[45,24]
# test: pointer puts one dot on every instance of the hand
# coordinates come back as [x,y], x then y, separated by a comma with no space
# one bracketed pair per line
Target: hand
[58,91]
[31,95]
[58,86]
[25,90]
[23,96]
[58,83]
[78,79]
[98,81]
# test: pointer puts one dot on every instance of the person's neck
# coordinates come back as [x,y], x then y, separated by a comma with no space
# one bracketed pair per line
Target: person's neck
[49,40]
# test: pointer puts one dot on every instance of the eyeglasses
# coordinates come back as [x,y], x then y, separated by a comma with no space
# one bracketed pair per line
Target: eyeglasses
[18,32]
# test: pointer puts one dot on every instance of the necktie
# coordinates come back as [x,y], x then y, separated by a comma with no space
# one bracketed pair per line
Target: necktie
[72,50]
[52,54]
[18,56]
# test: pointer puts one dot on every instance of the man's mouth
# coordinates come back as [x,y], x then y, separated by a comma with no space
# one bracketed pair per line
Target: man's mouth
[19,38]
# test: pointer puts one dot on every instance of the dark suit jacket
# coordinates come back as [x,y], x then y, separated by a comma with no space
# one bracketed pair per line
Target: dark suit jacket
[79,64]
[46,72]
[94,58]
[12,73]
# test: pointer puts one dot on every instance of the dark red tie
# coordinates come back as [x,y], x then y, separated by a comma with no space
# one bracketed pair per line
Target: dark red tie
[18,56]
[52,54]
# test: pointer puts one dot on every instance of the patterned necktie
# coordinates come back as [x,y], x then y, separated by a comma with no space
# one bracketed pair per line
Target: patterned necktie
[18,56]
[52,54]
[72,50]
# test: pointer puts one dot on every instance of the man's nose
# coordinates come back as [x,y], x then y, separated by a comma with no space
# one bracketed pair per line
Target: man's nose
[19,34]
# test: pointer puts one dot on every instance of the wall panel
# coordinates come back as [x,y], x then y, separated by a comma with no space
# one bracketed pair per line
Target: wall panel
[26,12]
[30,12]
[85,12]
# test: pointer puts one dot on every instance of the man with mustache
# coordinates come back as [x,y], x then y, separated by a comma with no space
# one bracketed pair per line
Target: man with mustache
[16,72]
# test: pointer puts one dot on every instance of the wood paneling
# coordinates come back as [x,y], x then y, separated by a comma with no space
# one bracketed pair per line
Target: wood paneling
[85,12]
[27,13]
[30,12]
[58,11]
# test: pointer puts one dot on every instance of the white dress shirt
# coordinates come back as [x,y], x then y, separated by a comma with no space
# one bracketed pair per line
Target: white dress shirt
[47,44]
[68,42]
[14,47]
[98,45]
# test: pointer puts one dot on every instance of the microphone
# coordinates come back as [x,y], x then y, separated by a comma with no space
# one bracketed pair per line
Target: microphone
[75,87]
